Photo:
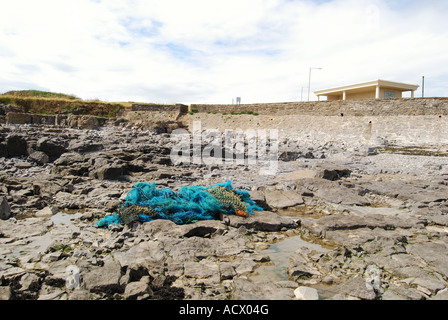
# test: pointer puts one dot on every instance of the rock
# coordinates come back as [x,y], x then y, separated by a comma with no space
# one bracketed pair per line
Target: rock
[144,254]
[5,293]
[356,287]
[110,172]
[372,151]
[332,173]
[52,147]
[104,279]
[3,150]
[16,145]
[69,158]
[47,211]
[246,289]
[402,292]
[55,294]
[441,295]
[159,227]
[201,270]
[202,228]
[23,165]
[258,197]
[81,294]
[5,210]
[84,146]
[306,293]
[281,199]
[300,267]
[137,289]
[428,285]
[88,122]
[245,266]
[39,157]
[290,155]
[262,221]
[5,109]
[434,253]
[29,282]
[332,191]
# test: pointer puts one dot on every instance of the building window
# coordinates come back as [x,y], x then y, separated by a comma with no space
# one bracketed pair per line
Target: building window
[389,94]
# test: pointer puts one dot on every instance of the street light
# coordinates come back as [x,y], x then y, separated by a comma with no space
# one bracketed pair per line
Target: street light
[309,82]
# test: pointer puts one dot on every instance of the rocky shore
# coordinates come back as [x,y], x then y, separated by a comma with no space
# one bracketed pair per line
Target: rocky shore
[372,224]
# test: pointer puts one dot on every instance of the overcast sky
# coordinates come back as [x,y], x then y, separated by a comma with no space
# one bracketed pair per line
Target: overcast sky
[209,51]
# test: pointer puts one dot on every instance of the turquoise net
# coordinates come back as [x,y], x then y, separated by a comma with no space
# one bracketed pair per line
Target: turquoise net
[189,204]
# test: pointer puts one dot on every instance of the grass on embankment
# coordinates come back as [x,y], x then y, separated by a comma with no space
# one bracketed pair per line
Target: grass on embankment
[43,102]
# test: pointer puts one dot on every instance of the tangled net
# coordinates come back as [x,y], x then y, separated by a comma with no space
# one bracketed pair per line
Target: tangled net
[145,202]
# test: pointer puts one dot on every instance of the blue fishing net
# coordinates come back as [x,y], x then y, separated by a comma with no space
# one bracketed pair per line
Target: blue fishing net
[189,204]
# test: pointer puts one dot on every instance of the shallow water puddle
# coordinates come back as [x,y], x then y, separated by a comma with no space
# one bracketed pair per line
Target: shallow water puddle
[66,219]
[276,269]
[41,243]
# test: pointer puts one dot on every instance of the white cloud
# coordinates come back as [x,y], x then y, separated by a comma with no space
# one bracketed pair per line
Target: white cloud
[212,51]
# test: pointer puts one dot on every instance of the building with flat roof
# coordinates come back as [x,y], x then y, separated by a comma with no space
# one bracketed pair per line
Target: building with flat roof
[377,89]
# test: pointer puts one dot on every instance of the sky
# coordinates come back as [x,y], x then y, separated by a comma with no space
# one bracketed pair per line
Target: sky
[209,51]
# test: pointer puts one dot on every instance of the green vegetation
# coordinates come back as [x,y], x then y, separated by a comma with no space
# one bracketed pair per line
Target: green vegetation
[61,247]
[42,102]
[413,151]
[244,112]
[39,94]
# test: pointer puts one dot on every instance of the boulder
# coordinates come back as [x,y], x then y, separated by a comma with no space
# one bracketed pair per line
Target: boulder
[332,173]
[52,147]
[5,210]
[39,157]
[137,289]
[16,145]
[3,150]
[90,122]
[104,279]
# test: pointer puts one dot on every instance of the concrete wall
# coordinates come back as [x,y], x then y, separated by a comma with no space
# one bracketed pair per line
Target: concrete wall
[408,106]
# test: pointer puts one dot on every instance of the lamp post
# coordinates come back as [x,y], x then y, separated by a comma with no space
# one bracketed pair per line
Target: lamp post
[309,82]
[423,86]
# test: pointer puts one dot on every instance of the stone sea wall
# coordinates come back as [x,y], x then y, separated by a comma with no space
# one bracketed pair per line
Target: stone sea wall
[400,121]
[71,121]
[352,130]
[411,106]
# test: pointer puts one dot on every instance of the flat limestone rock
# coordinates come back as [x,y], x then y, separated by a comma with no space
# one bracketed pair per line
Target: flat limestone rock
[281,199]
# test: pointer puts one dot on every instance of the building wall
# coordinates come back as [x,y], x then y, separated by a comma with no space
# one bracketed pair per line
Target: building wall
[361,95]
[371,94]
